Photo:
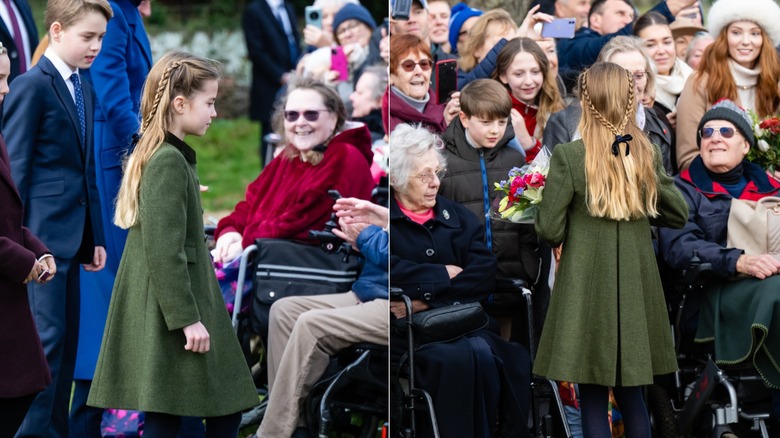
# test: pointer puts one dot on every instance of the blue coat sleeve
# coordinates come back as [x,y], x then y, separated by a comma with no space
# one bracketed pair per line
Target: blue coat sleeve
[22,114]
[111,88]
[677,245]
[484,69]
[373,245]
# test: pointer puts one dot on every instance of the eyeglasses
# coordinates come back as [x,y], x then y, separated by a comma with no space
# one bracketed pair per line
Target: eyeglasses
[425,64]
[639,75]
[310,115]
[725,131]
[347,27]
[426,178]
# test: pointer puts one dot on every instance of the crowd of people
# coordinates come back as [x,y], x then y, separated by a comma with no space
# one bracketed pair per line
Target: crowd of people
[111,300]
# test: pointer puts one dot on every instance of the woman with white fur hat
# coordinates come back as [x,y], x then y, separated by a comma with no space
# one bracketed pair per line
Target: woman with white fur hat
[741,65]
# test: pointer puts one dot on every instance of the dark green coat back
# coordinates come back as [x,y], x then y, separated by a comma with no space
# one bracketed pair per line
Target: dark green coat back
[607,321]
[166,282]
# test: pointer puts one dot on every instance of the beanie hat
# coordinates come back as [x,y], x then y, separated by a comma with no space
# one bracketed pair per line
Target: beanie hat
[460,13]
[765,13]
[351,11]
[725,109]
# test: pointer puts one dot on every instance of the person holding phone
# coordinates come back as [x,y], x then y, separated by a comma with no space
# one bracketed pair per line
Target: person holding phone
[23,259]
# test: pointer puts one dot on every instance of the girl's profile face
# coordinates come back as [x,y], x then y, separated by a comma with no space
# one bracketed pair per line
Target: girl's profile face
[524,78]
[5,70]
[301,131]
[199,109]
[660,46]
[745,41]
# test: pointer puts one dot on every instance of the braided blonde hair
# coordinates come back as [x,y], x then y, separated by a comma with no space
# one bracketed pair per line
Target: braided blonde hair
[622,186]
[175,74]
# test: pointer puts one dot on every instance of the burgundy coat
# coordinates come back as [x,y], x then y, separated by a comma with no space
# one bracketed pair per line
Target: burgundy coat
[23,367]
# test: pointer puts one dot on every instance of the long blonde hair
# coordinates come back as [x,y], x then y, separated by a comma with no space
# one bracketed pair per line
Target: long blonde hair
[175,74]
[622,186]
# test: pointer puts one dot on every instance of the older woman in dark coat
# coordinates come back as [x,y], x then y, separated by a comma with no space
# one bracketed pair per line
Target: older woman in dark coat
[23,258]
[738,316]
[439,258]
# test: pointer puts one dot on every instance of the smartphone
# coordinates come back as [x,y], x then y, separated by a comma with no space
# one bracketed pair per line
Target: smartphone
[339,63]
[44,275]
[401,9]
[313,16]
[559,28]
[446,79]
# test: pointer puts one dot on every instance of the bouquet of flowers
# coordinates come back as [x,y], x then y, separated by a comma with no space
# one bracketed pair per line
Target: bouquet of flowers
[767,151]
[523,190]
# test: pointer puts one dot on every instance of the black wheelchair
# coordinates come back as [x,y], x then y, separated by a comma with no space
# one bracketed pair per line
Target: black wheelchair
[412,409]
[703,399]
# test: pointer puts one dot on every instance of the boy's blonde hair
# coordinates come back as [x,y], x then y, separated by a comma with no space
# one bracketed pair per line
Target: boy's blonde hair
[620,177]
[175,74]
[68,12]
[486,99]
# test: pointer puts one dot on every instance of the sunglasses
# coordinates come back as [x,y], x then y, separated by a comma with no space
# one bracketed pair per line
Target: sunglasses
[425,64]
[725,131]
[310,115]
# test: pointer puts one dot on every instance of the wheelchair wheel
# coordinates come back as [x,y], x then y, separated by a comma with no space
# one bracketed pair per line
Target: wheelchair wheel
[662,418]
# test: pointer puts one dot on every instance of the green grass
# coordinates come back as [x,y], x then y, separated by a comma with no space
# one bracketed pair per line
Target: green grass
[228,161]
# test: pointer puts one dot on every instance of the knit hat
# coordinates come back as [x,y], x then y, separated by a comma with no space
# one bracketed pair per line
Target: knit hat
[351,11]
[460,13]
[725,109]
[765,13]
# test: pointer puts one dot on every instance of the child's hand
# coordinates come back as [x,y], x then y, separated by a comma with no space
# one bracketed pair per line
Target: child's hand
[198,339]
[98,260]
[34,273]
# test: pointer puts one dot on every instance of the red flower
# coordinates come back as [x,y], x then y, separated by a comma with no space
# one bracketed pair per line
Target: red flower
[771,124]
[536,180]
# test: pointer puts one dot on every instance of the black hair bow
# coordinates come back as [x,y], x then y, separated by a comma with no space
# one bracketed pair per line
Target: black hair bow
[621,139]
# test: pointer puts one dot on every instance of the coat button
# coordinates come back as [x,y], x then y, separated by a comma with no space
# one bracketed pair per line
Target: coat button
[427,296]
[82,201]
[429,252]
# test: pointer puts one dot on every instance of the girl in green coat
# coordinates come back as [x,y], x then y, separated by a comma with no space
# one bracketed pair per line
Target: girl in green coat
[607,325]
[168,347]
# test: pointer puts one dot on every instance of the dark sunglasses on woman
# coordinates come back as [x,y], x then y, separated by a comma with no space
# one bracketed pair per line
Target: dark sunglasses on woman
[725,132]
[425,64]
[310,115]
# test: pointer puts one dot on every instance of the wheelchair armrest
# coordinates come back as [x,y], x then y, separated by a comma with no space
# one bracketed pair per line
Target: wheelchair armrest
[511,285]
[396,294]
[697,270]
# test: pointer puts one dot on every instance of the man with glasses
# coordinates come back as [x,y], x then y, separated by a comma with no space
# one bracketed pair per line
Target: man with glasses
[606,20]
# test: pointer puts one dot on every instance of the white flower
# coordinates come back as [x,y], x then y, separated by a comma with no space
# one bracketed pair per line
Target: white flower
[758,131]
[763,146]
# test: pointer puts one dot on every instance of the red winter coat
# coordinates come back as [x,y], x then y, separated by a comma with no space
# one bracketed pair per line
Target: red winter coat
[290,197]
[23,367]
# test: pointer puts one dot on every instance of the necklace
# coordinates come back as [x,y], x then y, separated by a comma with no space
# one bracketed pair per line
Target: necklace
[745,87]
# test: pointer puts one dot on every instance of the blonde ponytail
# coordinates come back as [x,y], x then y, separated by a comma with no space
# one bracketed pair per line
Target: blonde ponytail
[620,176]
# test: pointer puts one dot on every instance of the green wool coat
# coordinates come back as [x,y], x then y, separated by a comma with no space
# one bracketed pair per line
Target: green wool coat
[607,322]
[166,282]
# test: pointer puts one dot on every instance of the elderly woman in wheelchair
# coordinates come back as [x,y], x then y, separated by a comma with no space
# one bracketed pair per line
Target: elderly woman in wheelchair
[737,314]
[290,197]
[479,383]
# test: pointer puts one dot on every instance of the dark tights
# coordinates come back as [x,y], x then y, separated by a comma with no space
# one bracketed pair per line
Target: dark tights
[157,425]
[594,400]
[12,413]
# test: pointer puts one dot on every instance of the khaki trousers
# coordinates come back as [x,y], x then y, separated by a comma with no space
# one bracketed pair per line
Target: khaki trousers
[303,333]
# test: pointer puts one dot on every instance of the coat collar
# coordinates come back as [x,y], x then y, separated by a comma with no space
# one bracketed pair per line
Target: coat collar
[759,183]
[184,148]
[444,212]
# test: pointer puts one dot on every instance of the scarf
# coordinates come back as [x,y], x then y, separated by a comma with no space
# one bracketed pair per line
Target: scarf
[668,88]
[745,79]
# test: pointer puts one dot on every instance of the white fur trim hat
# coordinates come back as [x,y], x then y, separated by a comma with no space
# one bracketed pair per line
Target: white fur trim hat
[766,13]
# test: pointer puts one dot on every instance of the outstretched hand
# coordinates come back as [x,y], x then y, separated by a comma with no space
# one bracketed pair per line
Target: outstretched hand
[355,211]
[526,29]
